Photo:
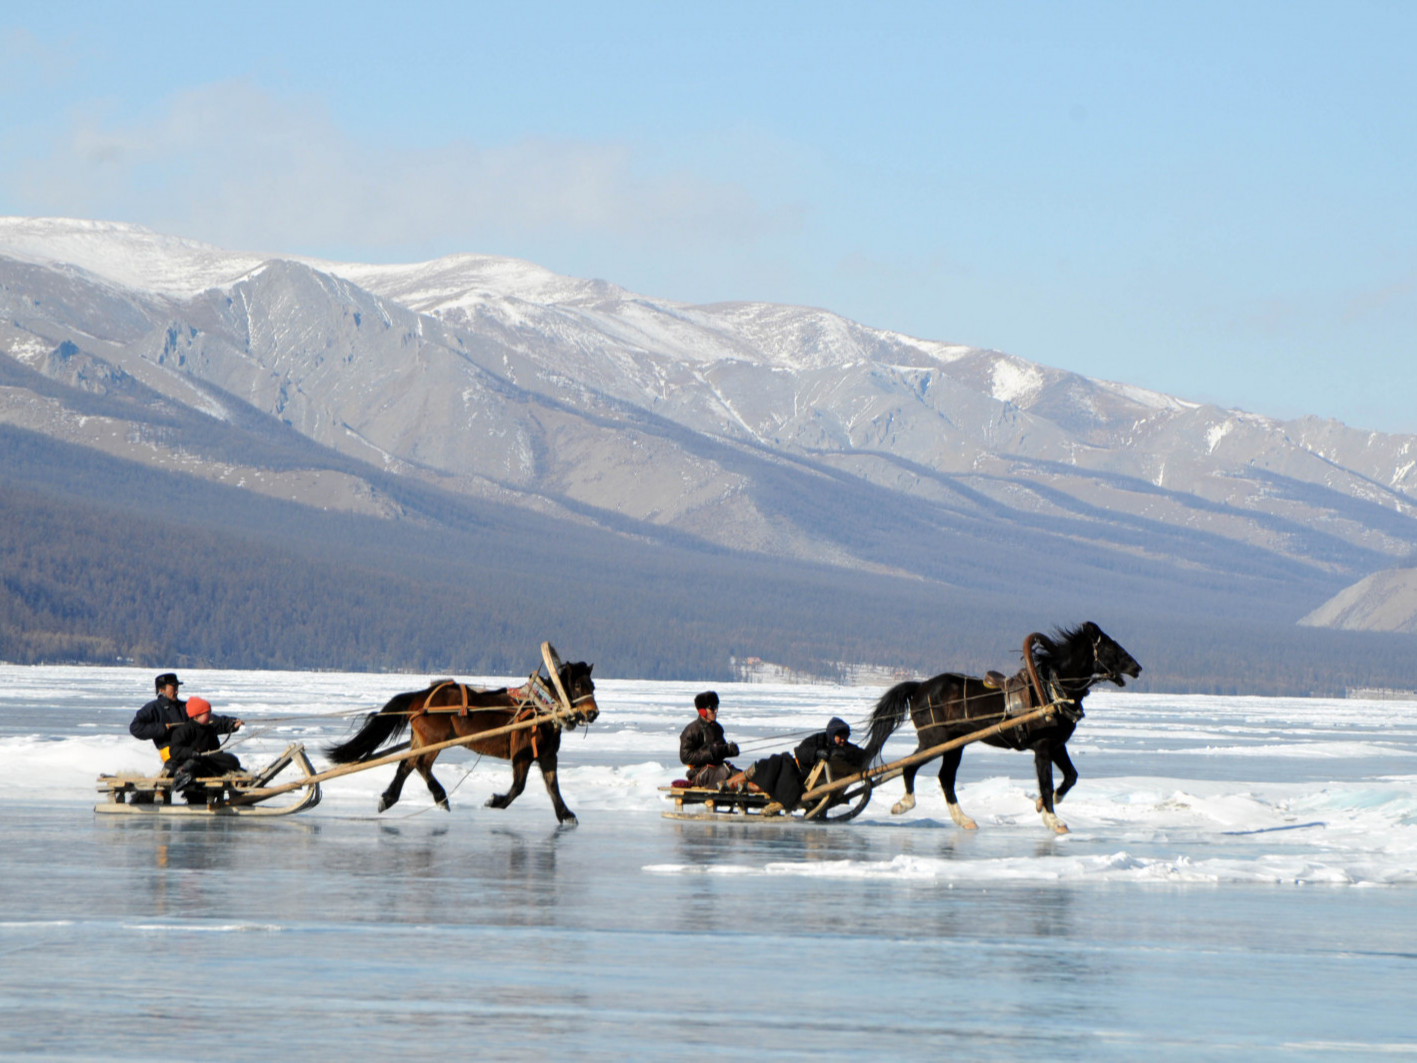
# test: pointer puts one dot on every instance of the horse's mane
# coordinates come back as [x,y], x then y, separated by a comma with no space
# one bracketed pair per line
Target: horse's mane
[1067,652]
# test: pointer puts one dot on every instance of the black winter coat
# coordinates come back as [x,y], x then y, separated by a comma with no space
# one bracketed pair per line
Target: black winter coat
[779,777]
[820,747]
[703,743]
[152,720]
[783,775]
[193,738]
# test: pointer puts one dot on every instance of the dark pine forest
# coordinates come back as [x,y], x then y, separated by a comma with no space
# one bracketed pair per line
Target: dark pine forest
[105,562]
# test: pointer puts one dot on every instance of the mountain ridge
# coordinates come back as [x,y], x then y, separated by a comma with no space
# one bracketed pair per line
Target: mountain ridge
[756,429]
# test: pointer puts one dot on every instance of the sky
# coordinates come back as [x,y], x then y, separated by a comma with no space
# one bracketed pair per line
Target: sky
[1213,200]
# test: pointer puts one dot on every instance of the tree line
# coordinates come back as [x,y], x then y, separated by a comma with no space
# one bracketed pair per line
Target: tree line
[104,561]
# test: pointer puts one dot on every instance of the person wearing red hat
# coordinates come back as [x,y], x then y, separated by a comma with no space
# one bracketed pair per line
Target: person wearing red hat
[195,748]
[702,746]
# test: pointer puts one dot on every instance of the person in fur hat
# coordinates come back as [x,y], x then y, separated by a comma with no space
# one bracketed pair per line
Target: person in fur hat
[702,746]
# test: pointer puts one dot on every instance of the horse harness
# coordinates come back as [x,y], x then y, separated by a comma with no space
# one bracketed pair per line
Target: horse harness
[1023,692]
[532,699]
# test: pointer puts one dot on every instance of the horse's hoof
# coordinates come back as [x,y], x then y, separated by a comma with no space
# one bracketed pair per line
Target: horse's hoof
[384,804]
[904,805]
[1053,823]
[1038,805]
[961,820]
[495,801]
[443,804]
[569,820]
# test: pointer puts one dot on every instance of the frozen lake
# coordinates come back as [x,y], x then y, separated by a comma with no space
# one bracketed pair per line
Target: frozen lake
[1240,883]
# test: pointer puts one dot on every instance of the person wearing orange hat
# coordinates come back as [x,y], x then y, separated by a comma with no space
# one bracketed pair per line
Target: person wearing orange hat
[196,748]
[702,746]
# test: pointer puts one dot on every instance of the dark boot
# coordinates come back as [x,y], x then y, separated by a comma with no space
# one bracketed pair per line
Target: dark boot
[182,778]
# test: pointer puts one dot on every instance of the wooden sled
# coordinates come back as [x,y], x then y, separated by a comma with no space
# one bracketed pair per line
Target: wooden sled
[827,797]
[234,794]
[834,805]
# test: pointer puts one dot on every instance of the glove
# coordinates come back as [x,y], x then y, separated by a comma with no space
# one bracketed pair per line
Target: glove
[732,749]
[719,750]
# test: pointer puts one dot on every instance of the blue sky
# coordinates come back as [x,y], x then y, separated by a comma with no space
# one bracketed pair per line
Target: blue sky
[1213,200]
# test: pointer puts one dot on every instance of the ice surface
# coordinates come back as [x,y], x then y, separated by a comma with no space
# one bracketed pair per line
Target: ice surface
[1237,885]
[1212,789]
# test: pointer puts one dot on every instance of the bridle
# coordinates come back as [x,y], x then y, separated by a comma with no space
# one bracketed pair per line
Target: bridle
[579,715]
[1110,675]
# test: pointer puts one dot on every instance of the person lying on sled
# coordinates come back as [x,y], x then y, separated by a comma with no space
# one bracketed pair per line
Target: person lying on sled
[702,746]
[783,776]
[195,748]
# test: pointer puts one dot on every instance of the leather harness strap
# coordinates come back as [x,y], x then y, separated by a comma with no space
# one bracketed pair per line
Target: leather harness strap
[1040,697]
[462,689]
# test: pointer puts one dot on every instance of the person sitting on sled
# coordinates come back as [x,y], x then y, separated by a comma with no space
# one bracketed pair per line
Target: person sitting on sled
[703,747]
[195,748]
[158,718]
[783,776]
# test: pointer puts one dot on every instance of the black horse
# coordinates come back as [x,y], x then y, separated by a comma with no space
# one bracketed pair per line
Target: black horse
[951,705]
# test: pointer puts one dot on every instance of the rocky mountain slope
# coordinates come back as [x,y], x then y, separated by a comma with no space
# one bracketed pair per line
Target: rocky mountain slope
[1384,601]
[732,429]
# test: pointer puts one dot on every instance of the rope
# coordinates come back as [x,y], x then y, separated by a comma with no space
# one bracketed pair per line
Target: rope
[429,808]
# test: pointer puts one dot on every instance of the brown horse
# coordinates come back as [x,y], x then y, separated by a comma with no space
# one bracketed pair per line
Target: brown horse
[448,710]
[949,706]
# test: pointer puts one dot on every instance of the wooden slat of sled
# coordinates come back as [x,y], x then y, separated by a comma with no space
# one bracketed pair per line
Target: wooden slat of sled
[157,808]
[717,804]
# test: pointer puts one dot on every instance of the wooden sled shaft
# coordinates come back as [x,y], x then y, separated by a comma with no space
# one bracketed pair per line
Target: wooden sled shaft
[393,758]
[897,767]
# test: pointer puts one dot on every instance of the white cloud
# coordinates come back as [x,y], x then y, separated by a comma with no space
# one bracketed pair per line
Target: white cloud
[234,165]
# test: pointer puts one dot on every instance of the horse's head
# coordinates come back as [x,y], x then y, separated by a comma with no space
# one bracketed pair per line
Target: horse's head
[1109,659]
[575,678]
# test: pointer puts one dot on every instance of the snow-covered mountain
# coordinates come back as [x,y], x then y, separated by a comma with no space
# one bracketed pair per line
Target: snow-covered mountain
[779,430]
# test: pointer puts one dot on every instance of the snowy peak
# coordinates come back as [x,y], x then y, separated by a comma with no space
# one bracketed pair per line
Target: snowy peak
[783,430]
[127,255]
[467,281]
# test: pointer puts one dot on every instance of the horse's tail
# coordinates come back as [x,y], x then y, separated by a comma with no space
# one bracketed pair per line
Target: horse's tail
[379,727]
[890,712]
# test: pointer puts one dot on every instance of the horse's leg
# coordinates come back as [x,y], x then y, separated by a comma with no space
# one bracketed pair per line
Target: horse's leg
[1043,761]
[1070,774]
[425,768]
[906,803]
[390,795]
[547,762]
[521,764]
[949,766]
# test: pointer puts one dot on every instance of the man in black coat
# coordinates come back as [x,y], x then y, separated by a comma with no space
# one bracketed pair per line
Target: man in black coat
[196,746]
[830,744]
[783,776]
[702,746]
[158,718]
